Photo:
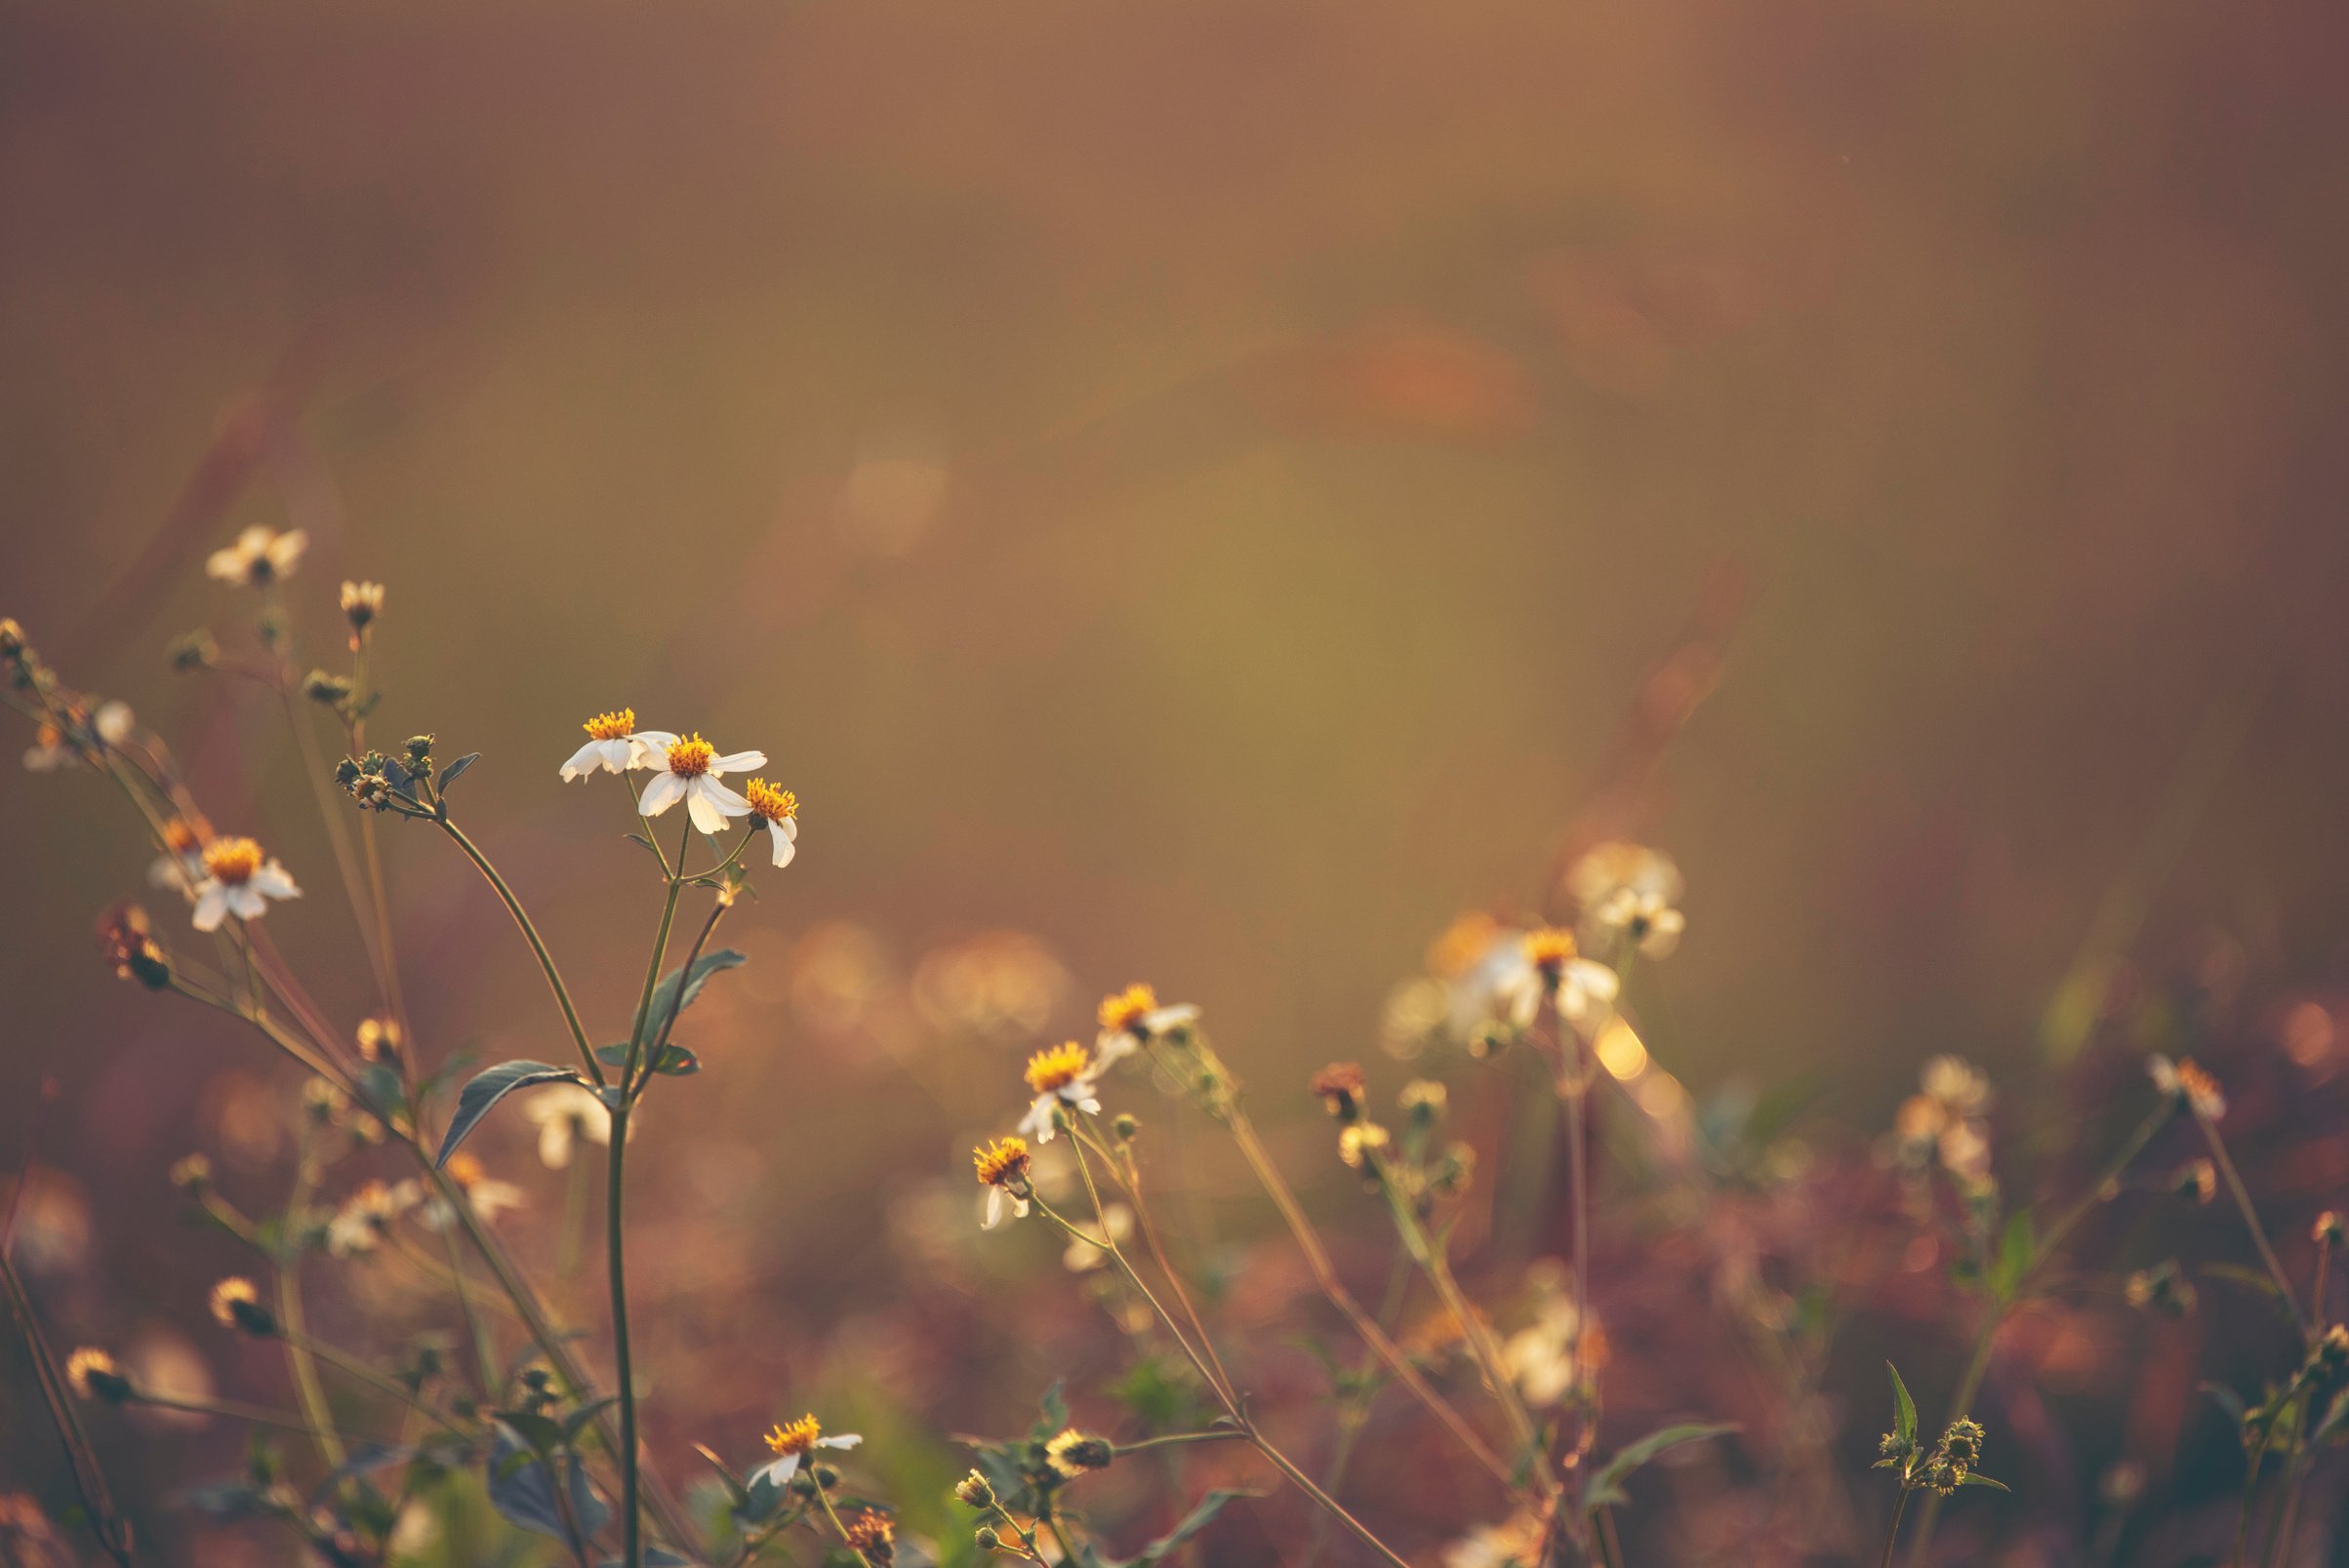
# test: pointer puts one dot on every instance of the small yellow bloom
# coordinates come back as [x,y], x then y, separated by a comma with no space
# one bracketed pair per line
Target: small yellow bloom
[1002,1169]
[792,1443]
[1058,1067]
[239,880]
[1549,946]
[776,811]
[1123,1010]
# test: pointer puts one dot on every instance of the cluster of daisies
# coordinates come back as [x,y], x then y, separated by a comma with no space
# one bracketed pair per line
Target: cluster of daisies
[688,769]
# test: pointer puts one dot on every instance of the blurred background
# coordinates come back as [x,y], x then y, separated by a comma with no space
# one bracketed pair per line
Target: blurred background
[1186,493]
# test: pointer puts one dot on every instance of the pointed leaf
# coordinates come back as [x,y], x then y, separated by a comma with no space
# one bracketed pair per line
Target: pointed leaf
[1904,1408]
[1970,1479]
[2016,1246]
[456,769]
[665,994]
[1201,1515]
[522,1488]
[489,1086]
[1606,1482]
[675,1062]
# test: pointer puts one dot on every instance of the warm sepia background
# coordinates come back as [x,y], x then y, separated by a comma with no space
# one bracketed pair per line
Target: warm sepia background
[1198,486]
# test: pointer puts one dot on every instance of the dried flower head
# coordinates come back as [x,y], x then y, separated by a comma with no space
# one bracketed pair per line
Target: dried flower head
[378,1036]
[93,1375]
[871,1534]
[2196,1179]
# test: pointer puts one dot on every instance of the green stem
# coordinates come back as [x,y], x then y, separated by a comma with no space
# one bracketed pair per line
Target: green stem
[308,1391]
[1171,1439]
[530,933]
[823,1497]
[1892,1535]
[2250,1217]
[633,1550]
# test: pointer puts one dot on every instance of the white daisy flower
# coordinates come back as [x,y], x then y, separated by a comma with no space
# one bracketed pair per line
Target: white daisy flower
[615,745]
[566,1113]
[489,1196]
[778,811]
[694,770]
[367,1216]
[1645,919]
[1132,1017]
[258,557]
[1063,1075]
[1546,965]
[238,881]
[792,1443]
[1002,1168]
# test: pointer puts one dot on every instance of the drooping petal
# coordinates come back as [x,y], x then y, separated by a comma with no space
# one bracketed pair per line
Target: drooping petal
[212,906]
[784,849]
[724,798]
[994,1208]
[702,809]
[736,762]
[273,880]
[648,748]
[844,1441]
[1037,1125]
[664,791]
[585,760]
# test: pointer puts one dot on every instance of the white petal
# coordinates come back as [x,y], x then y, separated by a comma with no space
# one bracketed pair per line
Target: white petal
[247,904]
[994,1208]
[585,760]
[789,827]
[724,798]
[212,906]
[1037,1123]
[1112,1045]
[273,880]
[844,1441]
[784,849]
[649,748]
[664,791]
[702,809]
[738,762]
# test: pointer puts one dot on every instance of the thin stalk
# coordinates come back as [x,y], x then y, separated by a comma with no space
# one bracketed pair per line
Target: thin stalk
[1977,1365]
[632,1546]
[356,1368]
[823,1497]
[486,1365]
[2293,1471]
[106,1521]
[1129,1175]
[1175,1439]
[2250,1217]
[232,1409]
[530,933]
[1325,1276]
[1894,1535]
[308,1391]
[2236,1558]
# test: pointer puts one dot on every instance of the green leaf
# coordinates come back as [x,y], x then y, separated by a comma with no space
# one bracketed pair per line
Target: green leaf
[489,1086]
[1055,1408]
[576,1422]
[1606,1482]
[379,1088]
[1904,1408]
[543,1434]
[1970,1479]
[2016,1246]
[2226,1399]
[665,994]
[456,769]
[675,1062]
[2249,1279]
[522,1488]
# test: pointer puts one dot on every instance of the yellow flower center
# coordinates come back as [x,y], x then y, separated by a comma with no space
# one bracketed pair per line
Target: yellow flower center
[1058,1067]
[1123,1010]
[773,804]
[1549,947]
[232,861]
[797,1438]
[611,726]
[1001,1160]
[690,759]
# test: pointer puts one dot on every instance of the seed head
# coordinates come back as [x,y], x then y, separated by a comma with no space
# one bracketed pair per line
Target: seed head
[975,1491]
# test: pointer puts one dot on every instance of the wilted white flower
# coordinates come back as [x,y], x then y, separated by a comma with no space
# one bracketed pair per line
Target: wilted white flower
[1132,1017]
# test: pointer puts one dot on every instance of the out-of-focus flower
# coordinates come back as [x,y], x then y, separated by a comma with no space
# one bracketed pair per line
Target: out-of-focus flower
[1944,1122]
[1644,920]
[1540,1358]
[50,750]
[51,1221]
[778,811]
[238,881]
[367,1217]
[362,602]
[870,1535]
[564,1114]
[1073,1453]
[1131,1018]
[1514,1542]
[2188,1084]
[975,1491]
[489,1196]
[615,745]
[1083,1256]
[1341,1088]
[1616,866]
[181,865]
[1002,1168]
[694,769]
[793,1443]
[1360,1143]
[377,1036]
[91,1374]
[1063,1075]
[1549,964]
[260,557]
[2198,1179]
[126,938]
[236,1304]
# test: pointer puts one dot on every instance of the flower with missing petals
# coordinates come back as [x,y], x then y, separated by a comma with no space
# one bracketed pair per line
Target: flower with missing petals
[871,1536]
[238,881]
[1073,1453]
[260,557]
[778,811]
[1647,921]
[1131,1018]
[1002,1169]
[693,770]
[615,745]
[792,1443]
